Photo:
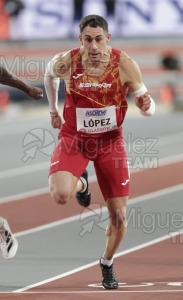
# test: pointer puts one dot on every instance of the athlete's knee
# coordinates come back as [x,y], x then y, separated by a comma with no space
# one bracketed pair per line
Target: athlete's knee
[118,219]
[60,196]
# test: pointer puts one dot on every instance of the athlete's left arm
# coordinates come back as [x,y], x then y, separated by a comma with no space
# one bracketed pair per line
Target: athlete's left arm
[130,76]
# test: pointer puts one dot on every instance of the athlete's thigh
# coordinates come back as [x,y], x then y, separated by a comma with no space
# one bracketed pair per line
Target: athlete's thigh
[67,156]
[112,171]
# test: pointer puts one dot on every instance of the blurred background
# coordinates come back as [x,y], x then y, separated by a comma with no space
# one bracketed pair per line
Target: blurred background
[150,31]
[32,32]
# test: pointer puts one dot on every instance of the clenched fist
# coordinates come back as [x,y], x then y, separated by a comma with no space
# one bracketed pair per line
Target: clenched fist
[143,102]
[56,121]
[35,93]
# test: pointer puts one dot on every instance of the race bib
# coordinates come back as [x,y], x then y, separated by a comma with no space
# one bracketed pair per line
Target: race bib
[96,120]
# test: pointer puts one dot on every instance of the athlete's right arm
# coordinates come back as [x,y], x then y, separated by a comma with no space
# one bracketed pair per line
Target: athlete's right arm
[56,69]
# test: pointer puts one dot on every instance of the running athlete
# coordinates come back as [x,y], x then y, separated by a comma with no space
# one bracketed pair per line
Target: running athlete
[8,243]
[97,78]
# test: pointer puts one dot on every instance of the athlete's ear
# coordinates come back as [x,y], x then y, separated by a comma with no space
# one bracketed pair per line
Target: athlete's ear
[80,38]
[108,37]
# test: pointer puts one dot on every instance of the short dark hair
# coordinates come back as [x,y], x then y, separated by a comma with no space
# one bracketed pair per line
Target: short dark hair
[93,21]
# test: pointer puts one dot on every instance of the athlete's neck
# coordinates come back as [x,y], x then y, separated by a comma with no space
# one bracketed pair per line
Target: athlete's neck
[96,68]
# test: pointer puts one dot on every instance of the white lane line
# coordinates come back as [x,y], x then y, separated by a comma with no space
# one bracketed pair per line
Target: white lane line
[133,249]
[159,193]
[42,166]
[24,170]
[96,292]
[170,160]
[135,200]
[26,195]
[45,166]
[50,225]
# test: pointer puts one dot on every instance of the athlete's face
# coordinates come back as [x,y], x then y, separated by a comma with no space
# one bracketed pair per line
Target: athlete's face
[94,42]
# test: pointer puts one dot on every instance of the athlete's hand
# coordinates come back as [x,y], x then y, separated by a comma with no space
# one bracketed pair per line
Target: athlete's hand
[35,93]
[143,102]
[56,120]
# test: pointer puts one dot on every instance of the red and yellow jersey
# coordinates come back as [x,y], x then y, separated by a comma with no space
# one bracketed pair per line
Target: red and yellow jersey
[92,92]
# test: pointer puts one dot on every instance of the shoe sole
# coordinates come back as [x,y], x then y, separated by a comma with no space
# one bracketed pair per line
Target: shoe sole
[110,288]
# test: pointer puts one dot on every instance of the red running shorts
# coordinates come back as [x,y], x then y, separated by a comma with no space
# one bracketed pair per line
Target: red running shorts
[73,154]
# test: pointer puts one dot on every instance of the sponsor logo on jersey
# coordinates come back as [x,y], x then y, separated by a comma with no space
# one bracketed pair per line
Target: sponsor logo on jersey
[95,85]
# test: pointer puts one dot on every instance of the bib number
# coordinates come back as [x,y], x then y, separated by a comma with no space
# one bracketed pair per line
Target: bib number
[96,120]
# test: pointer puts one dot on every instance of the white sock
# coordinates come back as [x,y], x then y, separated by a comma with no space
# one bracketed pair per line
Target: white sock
[84,182]
[106,262]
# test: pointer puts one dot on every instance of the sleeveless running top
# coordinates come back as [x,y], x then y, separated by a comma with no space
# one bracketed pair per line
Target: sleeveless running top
[91,92]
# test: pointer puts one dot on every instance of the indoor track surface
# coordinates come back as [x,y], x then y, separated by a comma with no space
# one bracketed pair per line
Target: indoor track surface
[60,246]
